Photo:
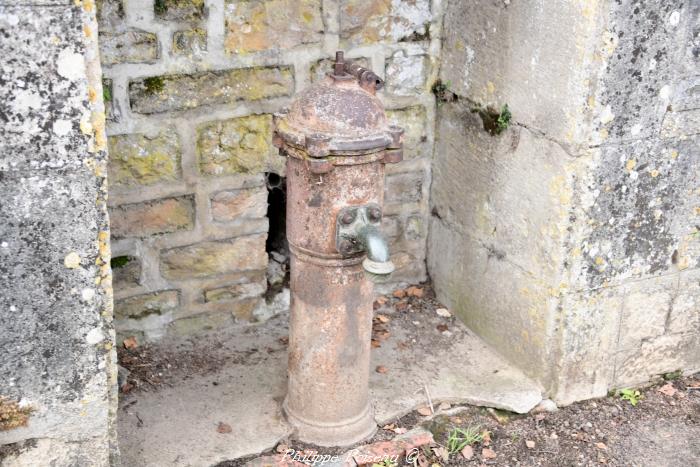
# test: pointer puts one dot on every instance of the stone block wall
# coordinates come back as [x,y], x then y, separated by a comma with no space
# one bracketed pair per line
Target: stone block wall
[190,88]
[58,366]
[570,241]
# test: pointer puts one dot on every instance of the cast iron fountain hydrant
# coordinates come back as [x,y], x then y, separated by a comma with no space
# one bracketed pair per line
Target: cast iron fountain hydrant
[336,140]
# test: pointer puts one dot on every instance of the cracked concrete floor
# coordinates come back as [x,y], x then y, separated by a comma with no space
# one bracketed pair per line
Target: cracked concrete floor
[238,376]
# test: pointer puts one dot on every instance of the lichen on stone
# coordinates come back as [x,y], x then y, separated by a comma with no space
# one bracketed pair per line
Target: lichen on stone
[139,159]
[12,415]
[239,145]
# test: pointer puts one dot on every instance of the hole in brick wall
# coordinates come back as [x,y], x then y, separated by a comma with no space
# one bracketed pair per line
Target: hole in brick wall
[277,248]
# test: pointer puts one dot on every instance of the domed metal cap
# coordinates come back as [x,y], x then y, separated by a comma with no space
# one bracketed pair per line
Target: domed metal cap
[339,115]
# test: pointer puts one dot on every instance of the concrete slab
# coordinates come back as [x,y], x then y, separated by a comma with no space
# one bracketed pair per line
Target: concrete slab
[238,377]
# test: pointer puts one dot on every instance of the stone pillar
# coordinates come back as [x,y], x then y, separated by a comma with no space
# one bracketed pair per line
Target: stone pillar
[57,360]
[568,237]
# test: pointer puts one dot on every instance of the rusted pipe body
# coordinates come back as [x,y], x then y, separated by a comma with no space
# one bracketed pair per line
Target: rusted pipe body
[336,140]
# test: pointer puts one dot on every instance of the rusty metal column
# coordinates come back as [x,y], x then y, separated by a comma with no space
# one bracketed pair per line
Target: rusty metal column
[336,140]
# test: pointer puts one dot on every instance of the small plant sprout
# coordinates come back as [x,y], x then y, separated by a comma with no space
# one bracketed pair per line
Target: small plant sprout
[503,120]
[385,463]
[631,395]
[461,437]
[106,91]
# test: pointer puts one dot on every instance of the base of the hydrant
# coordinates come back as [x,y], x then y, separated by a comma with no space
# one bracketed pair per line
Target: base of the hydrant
[343,433]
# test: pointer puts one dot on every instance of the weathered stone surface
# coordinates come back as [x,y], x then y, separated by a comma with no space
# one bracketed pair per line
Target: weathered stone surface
[152,217]
[322,67]
[641,67]
[141,306]
[645,308]
[406,75]
[131,46]
[239,145]
[404,187]
[56,342]
[685,309]
[663,354]
[257,25]
[395,20]
[235,291]
[110,14]
[415,228]
[579,223]
[201,322]
[180,10]
[211,258]
[414,122]
[180,92]
[126,271]
[192,42]
[232,205]
[681,124]
[640,212]
[140,159]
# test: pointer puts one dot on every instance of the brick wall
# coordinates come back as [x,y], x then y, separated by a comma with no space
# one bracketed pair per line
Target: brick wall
[190,89]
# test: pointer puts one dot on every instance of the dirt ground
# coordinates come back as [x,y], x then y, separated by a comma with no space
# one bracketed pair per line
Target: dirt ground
[661,429]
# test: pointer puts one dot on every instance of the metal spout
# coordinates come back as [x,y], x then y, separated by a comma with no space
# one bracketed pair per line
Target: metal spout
[377,262]
[359,229]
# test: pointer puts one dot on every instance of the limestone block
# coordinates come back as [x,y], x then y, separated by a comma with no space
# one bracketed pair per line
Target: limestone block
[152,217]
[415,228]
[390,227]
[180,10]
[130,46]
[406,75]
[414,122]
[257,25]
[640,215]
[645,309]
[504,304]
[404,187]
[126,271]
[641,68]
[231,205]
[201,322]
[657,356]
[181,92]
[364,22]
[141,306]
[685,311]
[235,291]
[211,258]
[140,159]
[590,324]
[492,55]
[110,14]
[239,145]
[191,42]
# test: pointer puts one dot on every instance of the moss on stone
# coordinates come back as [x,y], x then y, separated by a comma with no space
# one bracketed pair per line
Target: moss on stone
[107,90]
[160,7]
[119,261]
[154,84]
